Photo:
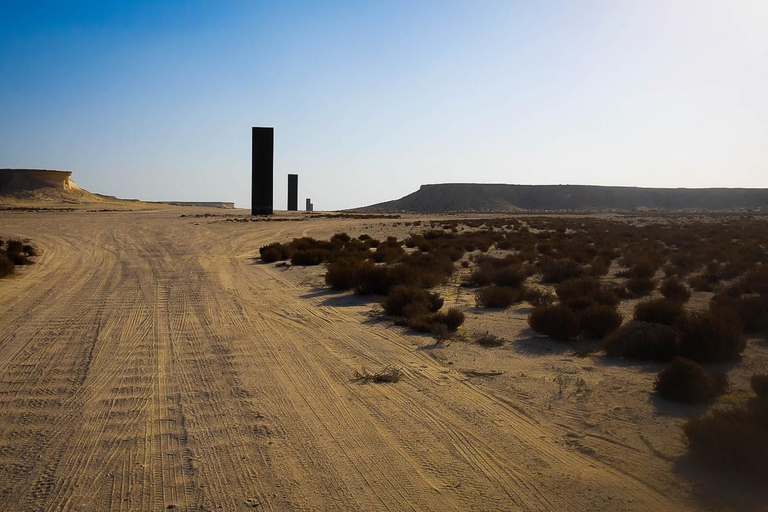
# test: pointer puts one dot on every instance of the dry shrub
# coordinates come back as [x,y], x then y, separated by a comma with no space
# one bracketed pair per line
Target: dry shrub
[712,335]
[344,274]
[642,340]
[509,276]
[557,271]
[587,287]
[411,302]
[687,381]
[557,322]
[598,321]
[388,374]
[373,280]
[660,311]
[310,257]
[489,340]
[388,254]
[674,289]
[6,265]
[733,441]
[453,319]
[752,310]
[639,286]
[759,383]
[539,297]
[498,296]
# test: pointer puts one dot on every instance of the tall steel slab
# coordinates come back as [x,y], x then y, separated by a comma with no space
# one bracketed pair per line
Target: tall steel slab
[293,192]
[262,157]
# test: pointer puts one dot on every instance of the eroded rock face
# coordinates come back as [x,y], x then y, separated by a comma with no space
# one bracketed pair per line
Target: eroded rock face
[20,180]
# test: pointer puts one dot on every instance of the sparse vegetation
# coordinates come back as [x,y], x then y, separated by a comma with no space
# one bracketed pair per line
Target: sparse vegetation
[687,381]
[642,340]
[389,374]
[661,311]
[734,440]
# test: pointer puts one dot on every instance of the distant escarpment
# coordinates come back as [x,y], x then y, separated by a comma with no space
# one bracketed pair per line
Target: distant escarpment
[474,197]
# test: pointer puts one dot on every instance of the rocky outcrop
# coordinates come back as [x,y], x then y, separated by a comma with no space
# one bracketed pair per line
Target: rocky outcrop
[473,197]
[19,180]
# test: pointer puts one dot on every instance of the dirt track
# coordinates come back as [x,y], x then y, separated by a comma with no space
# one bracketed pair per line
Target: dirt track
[147,361]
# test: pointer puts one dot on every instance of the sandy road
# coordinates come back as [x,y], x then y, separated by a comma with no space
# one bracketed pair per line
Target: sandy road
[148,363]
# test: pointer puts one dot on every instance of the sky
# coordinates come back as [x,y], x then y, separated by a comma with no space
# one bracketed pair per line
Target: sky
[370,100]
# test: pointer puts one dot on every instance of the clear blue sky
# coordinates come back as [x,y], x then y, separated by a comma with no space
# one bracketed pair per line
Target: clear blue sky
[369,100]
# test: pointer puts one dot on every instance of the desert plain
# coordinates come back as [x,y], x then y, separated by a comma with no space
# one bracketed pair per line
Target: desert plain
[150,361]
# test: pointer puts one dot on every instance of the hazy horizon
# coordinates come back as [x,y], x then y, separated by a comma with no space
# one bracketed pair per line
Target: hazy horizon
[156,101]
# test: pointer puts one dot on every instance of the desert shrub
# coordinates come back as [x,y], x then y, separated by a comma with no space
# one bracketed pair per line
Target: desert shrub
[373,280]
[489,340]
[642,340]
[410,301]
[643,269]
[509,276]
[578,303]
[673,289]
[660,311]
[6,265]
[687,381]
[752,310]
[310,257]
[599,267]
[388,254]
[755,281]
[557,271]
[344,274]
[639,286]
[759,384]
[498,296]
[275,252]
[15,246]
[598,321]
[431,263]
[389,374]
[557,322]
[581,287]
[539,297]
[733,441]
[452,319]
[710,336]
[18,258]
[341,238]
[702,284]
[481,276]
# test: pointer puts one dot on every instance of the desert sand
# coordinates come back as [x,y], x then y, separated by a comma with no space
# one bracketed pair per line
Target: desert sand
[149,361]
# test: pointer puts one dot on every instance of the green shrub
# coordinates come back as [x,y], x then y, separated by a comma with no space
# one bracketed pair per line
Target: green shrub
[642,340]
[557,322]
[687,381]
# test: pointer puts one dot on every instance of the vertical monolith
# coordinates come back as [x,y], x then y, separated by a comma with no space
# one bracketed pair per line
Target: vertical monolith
[310,207]
[262,146]
[293,192]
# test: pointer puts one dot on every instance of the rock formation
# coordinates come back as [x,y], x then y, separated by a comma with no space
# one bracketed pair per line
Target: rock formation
[473,197]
